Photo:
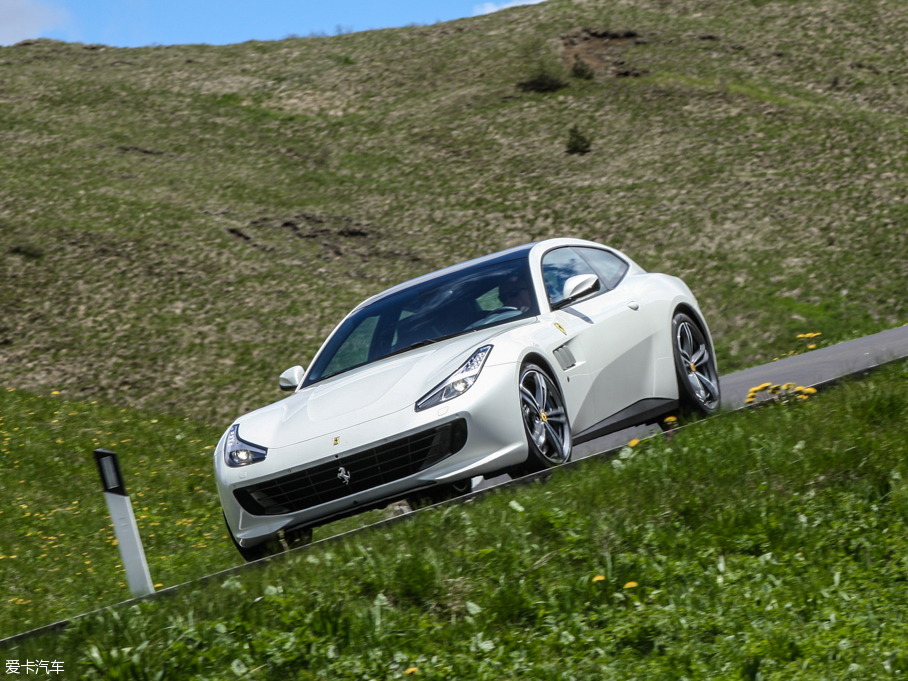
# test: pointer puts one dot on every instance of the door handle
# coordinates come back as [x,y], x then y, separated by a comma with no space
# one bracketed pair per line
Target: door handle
[634,305]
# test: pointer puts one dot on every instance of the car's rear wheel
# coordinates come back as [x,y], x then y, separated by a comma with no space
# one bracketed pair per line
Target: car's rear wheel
[695,364]
[279,543]
[545,419]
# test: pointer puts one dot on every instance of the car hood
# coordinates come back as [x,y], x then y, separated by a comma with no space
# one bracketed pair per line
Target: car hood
[363,394]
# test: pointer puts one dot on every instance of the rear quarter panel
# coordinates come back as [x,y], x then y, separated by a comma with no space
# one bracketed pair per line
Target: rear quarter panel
[666,294]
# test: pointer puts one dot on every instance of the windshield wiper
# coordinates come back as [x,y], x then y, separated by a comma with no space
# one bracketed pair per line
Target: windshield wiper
[420,344]
[427,341]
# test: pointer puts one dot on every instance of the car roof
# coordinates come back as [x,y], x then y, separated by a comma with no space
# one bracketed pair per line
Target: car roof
[502,256]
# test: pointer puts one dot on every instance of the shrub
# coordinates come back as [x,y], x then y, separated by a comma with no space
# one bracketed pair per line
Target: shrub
[577,143]
[545,70]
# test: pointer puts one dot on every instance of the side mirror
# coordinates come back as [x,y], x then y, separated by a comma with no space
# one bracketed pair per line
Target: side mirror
[577,287]
[291,378]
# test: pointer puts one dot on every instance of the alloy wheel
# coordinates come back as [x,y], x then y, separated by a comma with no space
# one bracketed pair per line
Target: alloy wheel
[697,364]
[544,416]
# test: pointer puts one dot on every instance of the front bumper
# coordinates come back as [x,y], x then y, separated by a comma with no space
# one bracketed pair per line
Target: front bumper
[271,494]
[353,473]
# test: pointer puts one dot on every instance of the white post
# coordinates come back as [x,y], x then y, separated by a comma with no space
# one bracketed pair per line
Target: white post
[124,521]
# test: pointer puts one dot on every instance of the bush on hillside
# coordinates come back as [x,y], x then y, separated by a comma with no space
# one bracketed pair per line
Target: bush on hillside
[578,143]
[546,72]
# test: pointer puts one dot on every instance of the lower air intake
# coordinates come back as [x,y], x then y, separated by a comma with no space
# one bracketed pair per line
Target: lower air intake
[355,473]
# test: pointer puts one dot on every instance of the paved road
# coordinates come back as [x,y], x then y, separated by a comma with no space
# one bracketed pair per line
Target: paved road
[814,368]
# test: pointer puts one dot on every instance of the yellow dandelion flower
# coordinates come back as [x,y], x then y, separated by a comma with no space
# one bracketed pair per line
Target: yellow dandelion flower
[775,359]
[411,670]
[630,585]
[633,443]
[55,392]
[670,419]
[800,389]
[802,335]
[599,578]
[803,397]
[810,391]
[788,386]
[811,346]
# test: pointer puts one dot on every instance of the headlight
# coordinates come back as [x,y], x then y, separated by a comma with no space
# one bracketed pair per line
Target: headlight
[457,383]
[237,452]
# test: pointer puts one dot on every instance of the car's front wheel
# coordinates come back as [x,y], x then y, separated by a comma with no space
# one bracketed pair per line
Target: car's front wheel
[439,493]
[545,420]
[695,364]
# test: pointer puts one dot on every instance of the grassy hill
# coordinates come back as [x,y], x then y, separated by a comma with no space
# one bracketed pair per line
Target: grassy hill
[179,224]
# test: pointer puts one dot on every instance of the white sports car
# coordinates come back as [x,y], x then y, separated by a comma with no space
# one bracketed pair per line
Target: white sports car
[497,365]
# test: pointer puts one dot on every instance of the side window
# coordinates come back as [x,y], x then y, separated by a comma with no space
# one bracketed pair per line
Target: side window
[557,267]
[355,349]
[610,268]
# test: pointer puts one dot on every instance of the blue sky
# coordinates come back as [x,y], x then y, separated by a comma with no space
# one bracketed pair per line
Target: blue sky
[132,23]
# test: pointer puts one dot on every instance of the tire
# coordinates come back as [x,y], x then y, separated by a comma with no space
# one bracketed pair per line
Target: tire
[695,366]
[279,543]
[545,420]
[439,493]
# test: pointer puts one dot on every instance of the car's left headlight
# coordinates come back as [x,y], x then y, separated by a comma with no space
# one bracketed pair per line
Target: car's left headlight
[238,452]
[457,383]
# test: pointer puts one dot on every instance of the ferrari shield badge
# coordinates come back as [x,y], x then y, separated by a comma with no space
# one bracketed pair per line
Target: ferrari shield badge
[337,440]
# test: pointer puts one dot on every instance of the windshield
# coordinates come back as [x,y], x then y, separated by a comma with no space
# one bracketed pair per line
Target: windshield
[455,304]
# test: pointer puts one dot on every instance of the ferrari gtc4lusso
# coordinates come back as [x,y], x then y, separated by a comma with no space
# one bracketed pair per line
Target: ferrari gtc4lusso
[496,365]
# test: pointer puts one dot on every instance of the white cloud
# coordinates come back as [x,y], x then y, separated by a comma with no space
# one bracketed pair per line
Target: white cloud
[23,19]
[489,7]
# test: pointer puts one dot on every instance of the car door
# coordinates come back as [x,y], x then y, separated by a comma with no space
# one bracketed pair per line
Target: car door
[615,334]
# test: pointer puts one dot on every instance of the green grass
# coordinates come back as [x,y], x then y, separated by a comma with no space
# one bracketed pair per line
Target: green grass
[58,554]
[767,544]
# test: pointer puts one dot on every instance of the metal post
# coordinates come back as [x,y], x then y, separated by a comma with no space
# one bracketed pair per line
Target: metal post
[124,521]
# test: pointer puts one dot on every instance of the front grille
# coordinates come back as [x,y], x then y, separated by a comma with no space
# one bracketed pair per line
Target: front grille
[367,469]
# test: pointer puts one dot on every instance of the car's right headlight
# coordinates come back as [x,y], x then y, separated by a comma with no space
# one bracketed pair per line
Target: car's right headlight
[238,452]
[457,383]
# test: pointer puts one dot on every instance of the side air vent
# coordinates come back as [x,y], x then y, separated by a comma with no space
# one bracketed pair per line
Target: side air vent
[565,357]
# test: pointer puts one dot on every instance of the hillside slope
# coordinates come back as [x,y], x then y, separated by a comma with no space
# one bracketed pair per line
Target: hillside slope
[179,224]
